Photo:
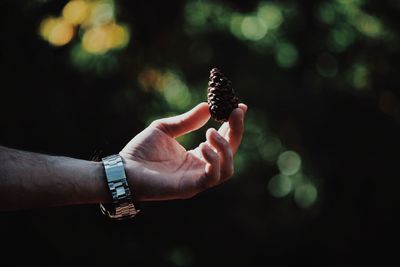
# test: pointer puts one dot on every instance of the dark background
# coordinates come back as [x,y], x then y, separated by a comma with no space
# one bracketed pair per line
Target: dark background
[322,81]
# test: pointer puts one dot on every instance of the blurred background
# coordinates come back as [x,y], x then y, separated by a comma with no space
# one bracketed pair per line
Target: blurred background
[317,174]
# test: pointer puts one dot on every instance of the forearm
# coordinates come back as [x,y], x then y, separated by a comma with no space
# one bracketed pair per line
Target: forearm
[29,180]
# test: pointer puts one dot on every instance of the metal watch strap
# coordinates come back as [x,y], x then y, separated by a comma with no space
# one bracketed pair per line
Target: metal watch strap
[122,206]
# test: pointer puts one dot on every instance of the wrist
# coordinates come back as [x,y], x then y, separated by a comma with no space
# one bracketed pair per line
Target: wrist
[100,188]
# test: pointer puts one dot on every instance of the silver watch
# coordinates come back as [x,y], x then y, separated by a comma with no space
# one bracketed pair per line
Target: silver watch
[122,206]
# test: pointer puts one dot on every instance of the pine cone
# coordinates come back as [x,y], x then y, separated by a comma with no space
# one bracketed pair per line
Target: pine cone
[221,98]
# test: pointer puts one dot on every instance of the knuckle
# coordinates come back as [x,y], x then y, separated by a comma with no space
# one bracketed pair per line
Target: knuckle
[163,125]
[157,124]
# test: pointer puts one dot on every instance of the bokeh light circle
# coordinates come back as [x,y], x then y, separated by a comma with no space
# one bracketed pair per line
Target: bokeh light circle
[289,162]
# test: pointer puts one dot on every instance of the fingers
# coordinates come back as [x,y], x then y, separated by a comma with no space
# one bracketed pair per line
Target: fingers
[218,155]
[224,152]
[225,142]
[184,123]
[218,150]
[212,168]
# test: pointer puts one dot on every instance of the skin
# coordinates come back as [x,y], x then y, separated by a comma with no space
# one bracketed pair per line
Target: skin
[157,166]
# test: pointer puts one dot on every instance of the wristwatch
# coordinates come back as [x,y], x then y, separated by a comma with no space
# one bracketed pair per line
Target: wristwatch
[122,206]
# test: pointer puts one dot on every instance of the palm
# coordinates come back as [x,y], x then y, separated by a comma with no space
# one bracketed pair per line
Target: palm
[166,164]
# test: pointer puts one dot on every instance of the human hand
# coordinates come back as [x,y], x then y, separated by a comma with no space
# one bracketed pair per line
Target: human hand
[159,168]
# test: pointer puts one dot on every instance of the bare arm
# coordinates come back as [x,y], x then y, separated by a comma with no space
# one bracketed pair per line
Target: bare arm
[157,166]
[29,180]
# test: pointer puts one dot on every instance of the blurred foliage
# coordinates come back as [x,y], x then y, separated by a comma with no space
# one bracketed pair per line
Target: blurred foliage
[315,176]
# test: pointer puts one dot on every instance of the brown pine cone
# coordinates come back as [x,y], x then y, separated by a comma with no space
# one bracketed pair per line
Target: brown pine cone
[221,98]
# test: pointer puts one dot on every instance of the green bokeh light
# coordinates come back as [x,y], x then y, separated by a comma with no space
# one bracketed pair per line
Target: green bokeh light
[270,148]
[298,179]
[280,185]
[204,16]
[197,13]
[176,92]
[289,162]
[100,64]
[252,28]
[369,25]
[340,38]
[305,195]
[327,13]
[240,162]
[366,24]
[221,16]
[359,76]
[286,55]
[236,25]
[270,15]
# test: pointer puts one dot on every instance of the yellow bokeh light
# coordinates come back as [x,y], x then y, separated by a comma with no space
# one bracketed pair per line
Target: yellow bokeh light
[57,31]
[119,36]
[96,40]
[76,12]
[46,27]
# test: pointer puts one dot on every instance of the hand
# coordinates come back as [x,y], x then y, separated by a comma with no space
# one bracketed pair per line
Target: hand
[159,168]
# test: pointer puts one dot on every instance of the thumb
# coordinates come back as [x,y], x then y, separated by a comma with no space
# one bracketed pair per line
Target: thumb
[186,122]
